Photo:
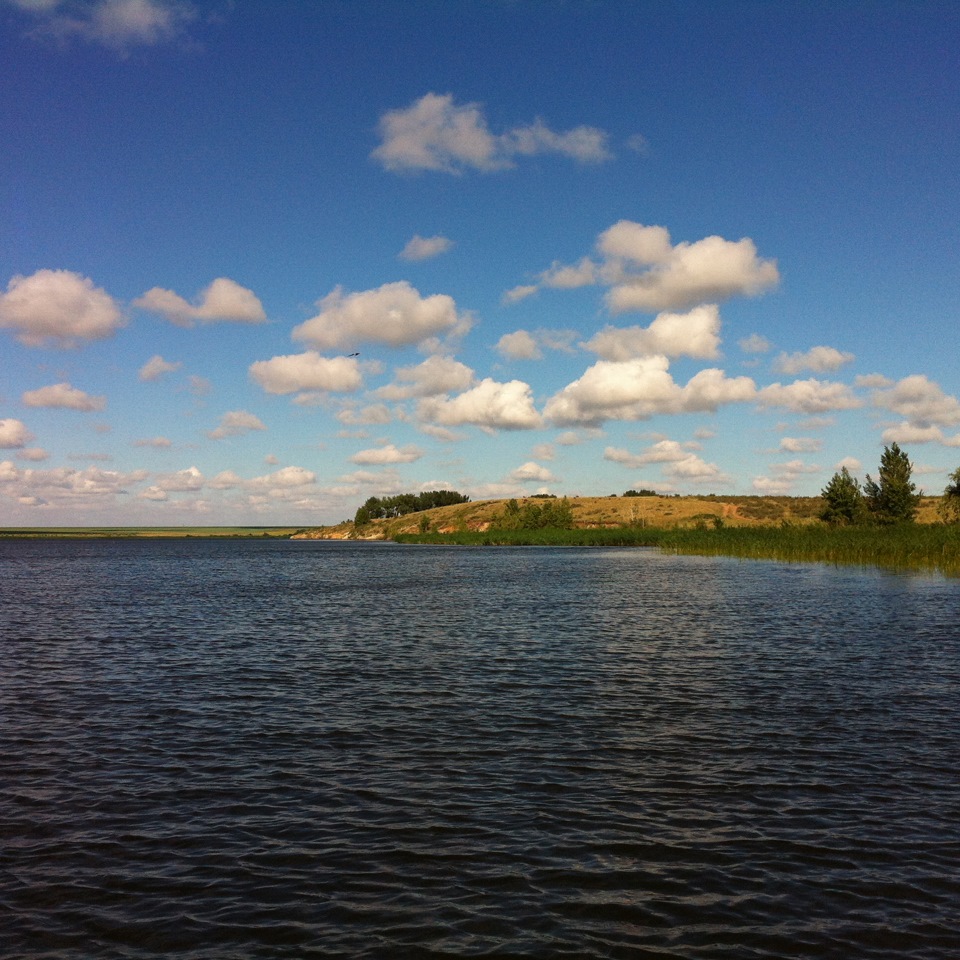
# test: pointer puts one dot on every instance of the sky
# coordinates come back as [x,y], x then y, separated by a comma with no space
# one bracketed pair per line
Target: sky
[262,261]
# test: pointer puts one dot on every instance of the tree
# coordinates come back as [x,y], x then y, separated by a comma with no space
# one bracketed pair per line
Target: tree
[950,504]
[843,500]
[893,497]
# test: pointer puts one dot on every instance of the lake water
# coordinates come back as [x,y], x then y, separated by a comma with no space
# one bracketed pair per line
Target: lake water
[231,749]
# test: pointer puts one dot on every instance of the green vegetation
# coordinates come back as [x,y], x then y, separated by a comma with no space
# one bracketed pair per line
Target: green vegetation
[891,499]
[642,492]
[378,508]
[949,509]
[844,502]
[554,514]
[902,547]
[894,499]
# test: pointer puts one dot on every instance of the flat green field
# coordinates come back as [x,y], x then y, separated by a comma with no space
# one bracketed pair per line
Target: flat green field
[100,533]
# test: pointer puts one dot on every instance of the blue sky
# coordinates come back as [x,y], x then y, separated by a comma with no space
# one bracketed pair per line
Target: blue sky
[261,261]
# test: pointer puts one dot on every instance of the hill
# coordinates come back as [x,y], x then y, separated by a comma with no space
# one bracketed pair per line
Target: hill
[590,512]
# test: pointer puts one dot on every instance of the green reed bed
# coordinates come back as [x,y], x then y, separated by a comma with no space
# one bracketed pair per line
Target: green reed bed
[906,547]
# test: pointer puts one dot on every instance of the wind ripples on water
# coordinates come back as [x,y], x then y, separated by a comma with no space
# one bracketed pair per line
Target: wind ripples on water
[295,749]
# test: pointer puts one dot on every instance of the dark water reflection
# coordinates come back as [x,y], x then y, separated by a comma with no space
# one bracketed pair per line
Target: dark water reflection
[297,749]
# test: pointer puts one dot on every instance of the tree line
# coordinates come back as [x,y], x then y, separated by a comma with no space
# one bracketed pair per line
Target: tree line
[891,498]
[377,508]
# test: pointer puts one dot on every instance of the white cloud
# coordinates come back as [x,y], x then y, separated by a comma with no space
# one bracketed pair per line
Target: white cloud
[394,314]
[443,434]
[156,367]
[872,380]
[816,359]
[694,469]
[755,343]
[66,486]
[58,307]
[907,432]
[225,480]
[519,345]
[571,276]
[773,486]
[307,371]
[639,389]
[154,493]
[524,345]
[434,133]
[809,396]
[793,468]
[516,294]
[117,24]
[489,405]
[436,375]
[693,334]
[200,386]
[33,454]
[157,443]
[921,401]
[645,272]
[284,479]
[63,396]
[223,300]
[234,423]
[663,451]
[374,413]
[531,471]
[425,248]
[800,444]
[387,454]
[544,451]
[14,434]
[183,481]
[851,463]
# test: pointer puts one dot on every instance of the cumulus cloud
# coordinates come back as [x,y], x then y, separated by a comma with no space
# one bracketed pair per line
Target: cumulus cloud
[59,308]
[639,389]
[800,444]
[66,486]
[519,345]
[516,294]
[755,343]
[907,432]
[307,371]
[182,481]
[436,375]
[14,434]
[425,248]
[33,454]
[63,396]
[663,451]
[434,133]
[692,334]
[920,401]
[644,271]
[223,301]
[284,479]
[394,314]
[489,405]
[531,471]
[527,345]
[389,453]
[809,396]
[117,24]
[364,416]
[234,423]
[816,359]
[156,367]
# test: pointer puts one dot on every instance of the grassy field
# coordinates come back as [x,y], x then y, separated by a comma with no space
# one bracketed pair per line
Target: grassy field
[907,547]
[100,533]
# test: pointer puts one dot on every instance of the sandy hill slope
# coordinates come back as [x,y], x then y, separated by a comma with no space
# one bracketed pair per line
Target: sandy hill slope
[612,511]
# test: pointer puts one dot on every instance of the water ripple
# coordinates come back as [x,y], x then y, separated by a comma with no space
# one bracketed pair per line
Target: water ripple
[312,750]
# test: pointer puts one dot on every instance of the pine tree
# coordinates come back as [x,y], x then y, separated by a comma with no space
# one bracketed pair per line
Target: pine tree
[893,497]
[843,498]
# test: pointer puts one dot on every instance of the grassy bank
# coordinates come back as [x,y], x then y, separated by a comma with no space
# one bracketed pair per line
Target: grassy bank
[908,547]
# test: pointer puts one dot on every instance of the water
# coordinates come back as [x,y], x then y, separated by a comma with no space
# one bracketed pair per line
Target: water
[298,749]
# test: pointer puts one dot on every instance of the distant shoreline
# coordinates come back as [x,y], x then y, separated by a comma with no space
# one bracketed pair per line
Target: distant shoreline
[141,533]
